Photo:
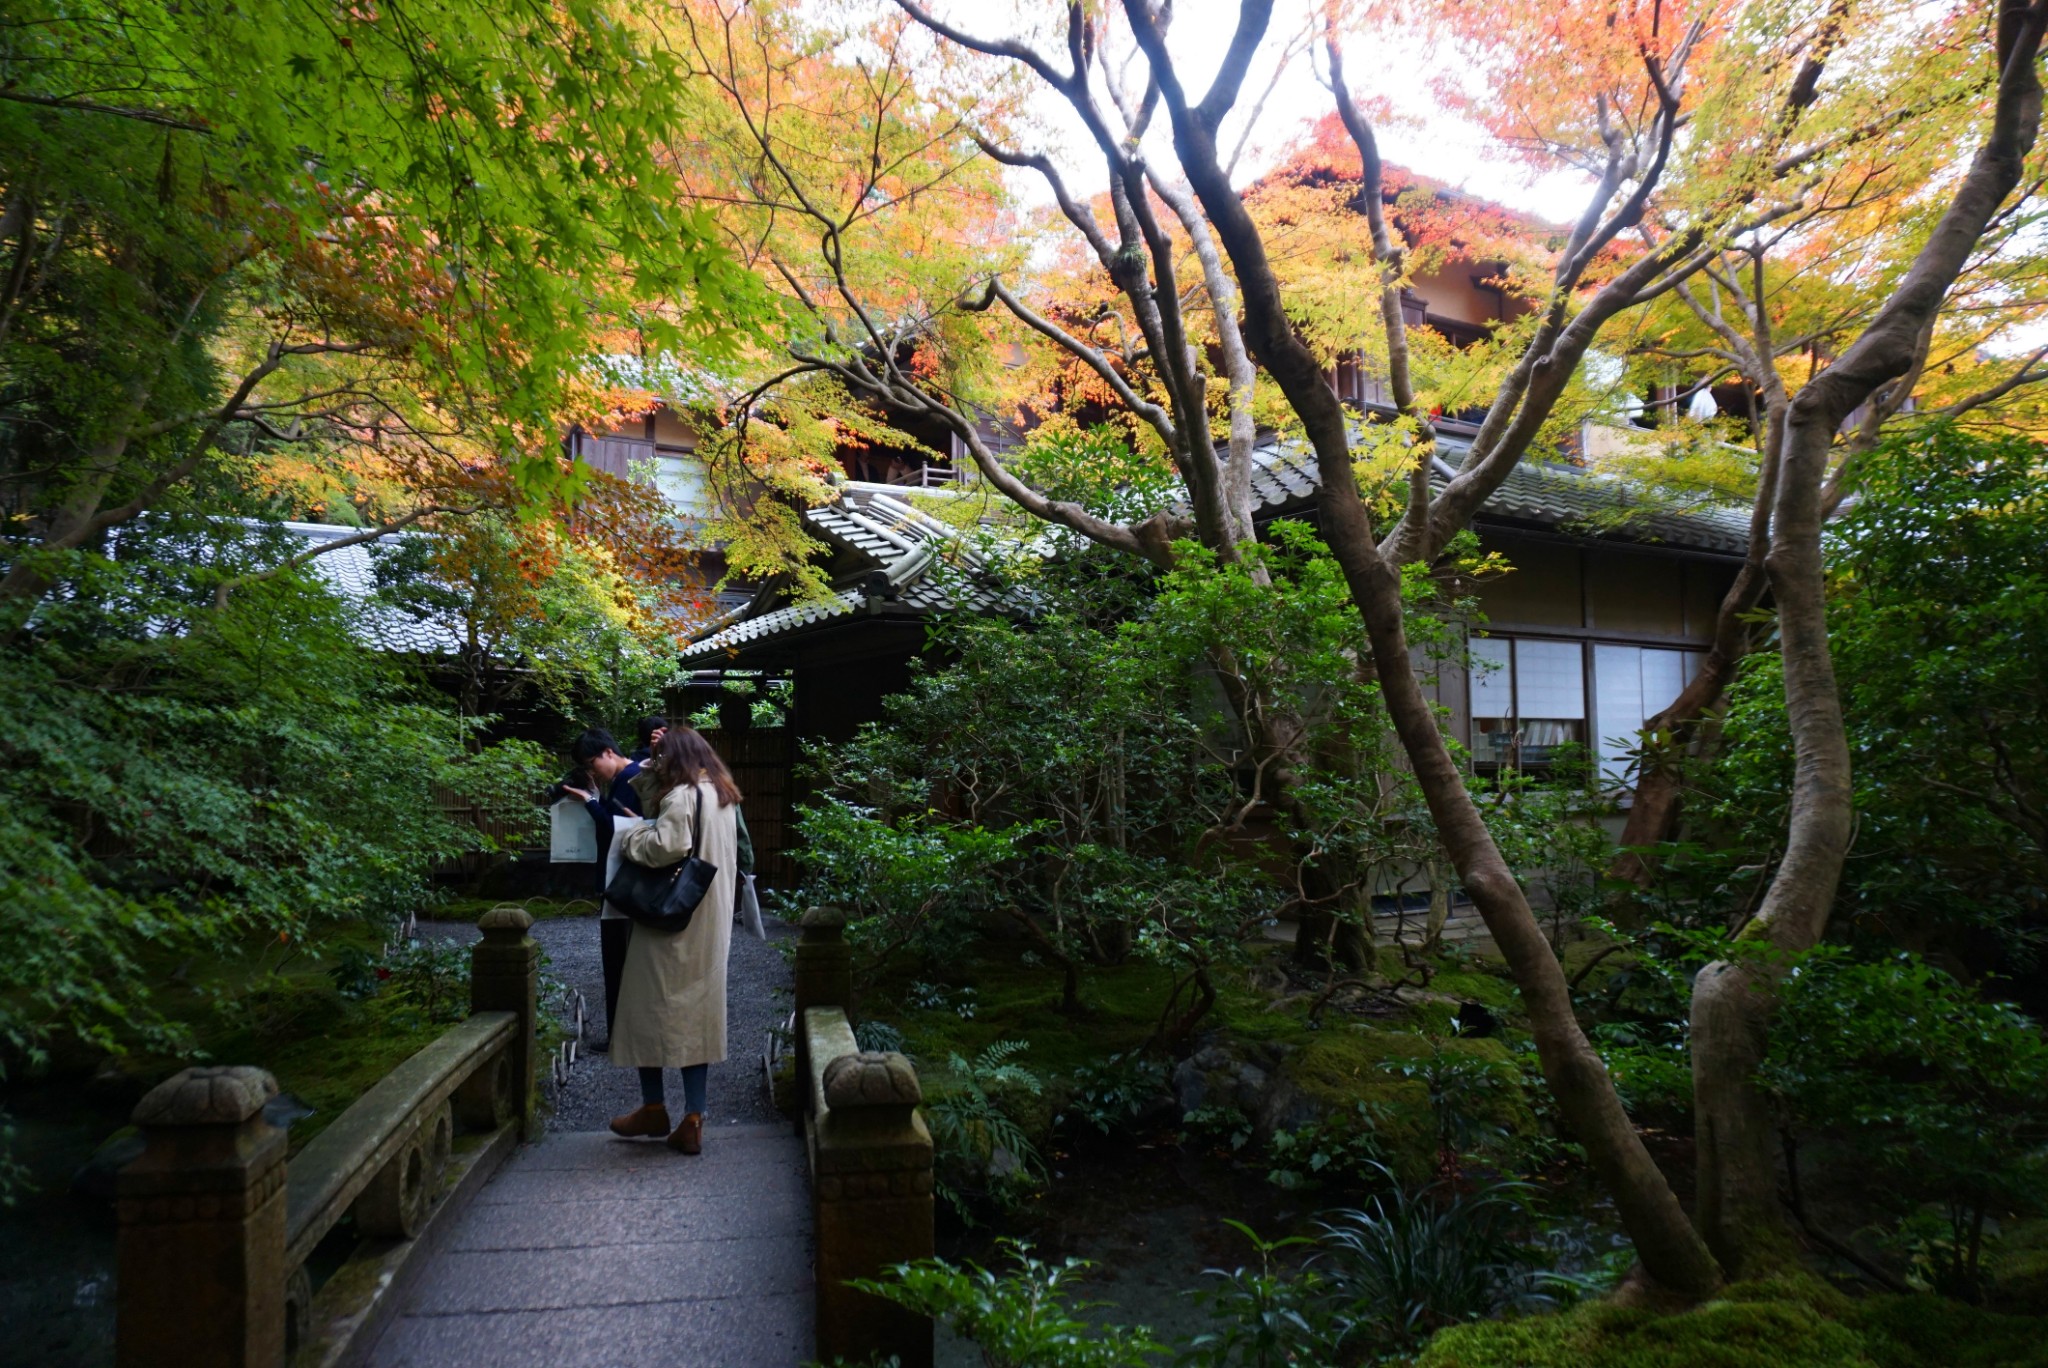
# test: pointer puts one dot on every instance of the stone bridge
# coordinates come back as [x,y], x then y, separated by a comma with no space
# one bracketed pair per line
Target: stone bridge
[433,1224]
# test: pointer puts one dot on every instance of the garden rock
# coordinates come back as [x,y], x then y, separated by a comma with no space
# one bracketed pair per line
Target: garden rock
[1249,1078]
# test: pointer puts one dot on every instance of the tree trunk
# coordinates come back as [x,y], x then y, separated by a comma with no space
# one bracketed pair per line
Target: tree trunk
[1734,1000]
[1671,1251]
[1669,1248]
[1439,909]
[1653,817]
[23,586]
[1737,1206]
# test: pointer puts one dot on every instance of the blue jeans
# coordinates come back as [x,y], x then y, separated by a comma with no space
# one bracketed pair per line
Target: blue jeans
[693,1088]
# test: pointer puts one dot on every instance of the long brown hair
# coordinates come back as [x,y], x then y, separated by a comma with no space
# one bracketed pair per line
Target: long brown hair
[683,756]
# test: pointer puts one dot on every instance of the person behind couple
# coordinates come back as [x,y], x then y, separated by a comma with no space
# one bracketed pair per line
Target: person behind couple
[671,1012]
[650,730]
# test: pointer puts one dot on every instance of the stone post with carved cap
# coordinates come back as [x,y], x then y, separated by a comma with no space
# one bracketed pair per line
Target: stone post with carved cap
[504,976]
[823,975]
[871,1174]
[201,1247]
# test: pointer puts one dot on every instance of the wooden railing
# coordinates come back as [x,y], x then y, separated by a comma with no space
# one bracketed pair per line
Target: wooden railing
[216,1227]
[870,1160]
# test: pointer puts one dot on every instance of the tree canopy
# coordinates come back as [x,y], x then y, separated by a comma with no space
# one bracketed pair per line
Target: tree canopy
[372,258]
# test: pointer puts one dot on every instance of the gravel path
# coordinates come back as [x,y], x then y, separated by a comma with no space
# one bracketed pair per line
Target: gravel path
[757,1000]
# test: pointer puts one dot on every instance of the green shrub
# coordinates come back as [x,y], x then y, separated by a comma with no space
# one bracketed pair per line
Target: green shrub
[1940,1096]
[182,781]
[981,1153]
[1268,1316]
[1070,778]
[1108,1096]
[1414,1260]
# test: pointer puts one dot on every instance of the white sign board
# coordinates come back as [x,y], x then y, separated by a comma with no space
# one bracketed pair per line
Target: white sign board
[572,835]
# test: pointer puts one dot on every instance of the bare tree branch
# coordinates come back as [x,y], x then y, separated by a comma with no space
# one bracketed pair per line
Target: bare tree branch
[226,587]
[148,116]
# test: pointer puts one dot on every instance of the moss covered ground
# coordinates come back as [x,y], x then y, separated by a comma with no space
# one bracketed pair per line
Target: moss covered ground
[279,1008]
[1782,1323]
[333,1053]
[539,907]
[997,994]
[969,1004]
[2017,1264]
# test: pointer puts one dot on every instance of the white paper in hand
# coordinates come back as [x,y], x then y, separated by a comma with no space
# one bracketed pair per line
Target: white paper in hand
[750,908]
[572,835]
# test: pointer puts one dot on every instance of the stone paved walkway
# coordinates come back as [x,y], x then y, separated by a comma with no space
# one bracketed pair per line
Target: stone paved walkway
[757,990]
[586,1250]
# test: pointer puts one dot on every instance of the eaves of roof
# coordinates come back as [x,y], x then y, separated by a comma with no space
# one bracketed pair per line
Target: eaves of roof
[1564,499]
[901,552]
[351,573]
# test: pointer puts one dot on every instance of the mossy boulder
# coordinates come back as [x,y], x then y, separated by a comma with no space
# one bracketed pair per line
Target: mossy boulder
[1496,992]
[1909,1332]
[1284,1085]
[1250,1077]
[1720,1334]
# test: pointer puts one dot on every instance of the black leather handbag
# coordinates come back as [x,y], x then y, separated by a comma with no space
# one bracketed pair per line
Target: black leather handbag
[665,898]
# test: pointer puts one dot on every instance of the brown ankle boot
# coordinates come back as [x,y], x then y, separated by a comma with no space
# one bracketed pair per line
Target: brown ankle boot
[648,1123]
[688,1138]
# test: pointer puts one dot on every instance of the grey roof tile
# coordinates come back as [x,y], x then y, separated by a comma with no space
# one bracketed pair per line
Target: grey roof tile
[351,572]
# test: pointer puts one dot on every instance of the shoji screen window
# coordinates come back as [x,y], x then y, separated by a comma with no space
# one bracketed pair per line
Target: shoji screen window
[1632,684]
[682,481]
[1528,698]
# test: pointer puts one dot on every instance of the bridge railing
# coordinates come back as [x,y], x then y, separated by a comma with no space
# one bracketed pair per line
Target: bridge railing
[870,1160]
[216,1227]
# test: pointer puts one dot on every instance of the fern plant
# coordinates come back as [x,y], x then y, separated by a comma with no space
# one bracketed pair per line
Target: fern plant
[971,1132]
[1023,1318]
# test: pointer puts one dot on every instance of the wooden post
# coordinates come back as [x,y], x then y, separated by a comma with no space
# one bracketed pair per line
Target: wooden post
[824,976]
[504,976]
[201,1246]
[871,1172]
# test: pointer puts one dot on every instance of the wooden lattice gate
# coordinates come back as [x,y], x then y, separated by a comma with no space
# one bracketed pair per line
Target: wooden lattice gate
[760,761]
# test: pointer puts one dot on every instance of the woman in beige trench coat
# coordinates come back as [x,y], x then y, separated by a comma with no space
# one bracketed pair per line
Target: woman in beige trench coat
[672,990]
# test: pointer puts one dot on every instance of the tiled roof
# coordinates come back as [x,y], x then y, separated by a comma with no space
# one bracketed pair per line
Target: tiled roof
[1595,504]
[351,572]
[906,558]
[1567,498]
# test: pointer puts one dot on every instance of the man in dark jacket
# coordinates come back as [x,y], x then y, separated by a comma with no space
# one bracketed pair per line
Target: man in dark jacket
[607,772]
